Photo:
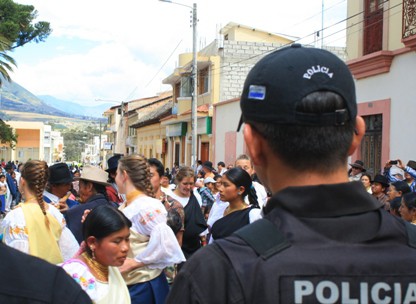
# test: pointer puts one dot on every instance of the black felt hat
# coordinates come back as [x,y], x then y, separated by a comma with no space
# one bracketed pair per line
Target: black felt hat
[381,180]
[112,162]
[358,164]
[59,174]
[208,165]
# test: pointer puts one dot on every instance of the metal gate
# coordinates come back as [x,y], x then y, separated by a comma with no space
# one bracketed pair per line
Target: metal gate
[371,143]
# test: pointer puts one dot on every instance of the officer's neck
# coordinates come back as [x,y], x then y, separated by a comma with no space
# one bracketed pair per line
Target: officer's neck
[278,176]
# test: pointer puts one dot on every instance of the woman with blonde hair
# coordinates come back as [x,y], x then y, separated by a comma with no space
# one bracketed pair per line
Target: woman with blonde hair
[192,236]
[153,245]
[35,227]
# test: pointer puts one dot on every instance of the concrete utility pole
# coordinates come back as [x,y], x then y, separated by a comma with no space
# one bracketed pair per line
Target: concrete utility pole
[194,77]
[195,88]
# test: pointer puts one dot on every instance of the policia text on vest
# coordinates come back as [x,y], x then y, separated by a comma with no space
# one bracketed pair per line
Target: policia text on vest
[351,290]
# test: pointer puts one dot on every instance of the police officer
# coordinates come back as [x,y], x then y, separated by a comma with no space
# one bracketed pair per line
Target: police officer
[323,239]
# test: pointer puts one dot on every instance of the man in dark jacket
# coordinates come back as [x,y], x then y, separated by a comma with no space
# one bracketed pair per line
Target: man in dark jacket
[10,202]
[59,186]
[323,238]
[27,279]
[92,193]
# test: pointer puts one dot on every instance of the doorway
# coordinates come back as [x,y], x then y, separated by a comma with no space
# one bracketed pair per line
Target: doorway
[177,151]
[204,151]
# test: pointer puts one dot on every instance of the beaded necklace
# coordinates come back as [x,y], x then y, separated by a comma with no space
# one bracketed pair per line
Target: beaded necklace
[100,271]
[228,210]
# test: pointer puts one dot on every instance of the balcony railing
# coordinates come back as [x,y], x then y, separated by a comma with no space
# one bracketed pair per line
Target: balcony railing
[409,18]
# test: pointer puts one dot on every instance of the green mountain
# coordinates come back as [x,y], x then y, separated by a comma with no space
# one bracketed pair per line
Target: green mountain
[26,106]
[14,97]
[75,108]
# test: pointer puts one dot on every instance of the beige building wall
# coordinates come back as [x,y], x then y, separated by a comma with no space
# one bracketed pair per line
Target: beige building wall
[30,142]
[243,33]
[213,94]
[394,19]
[355,29]
[150,141]
[392,27]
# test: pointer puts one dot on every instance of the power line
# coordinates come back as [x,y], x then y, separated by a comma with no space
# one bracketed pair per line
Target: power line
[163,65]
[230,64]
[220,69]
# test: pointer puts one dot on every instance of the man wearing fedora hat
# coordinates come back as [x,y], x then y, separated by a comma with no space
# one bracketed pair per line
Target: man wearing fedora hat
[208,169]
[379,186]
[58,187]
[112,189]
[356,171]
[92,193]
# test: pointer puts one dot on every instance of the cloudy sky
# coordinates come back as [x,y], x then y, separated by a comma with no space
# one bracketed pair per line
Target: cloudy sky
[122,50]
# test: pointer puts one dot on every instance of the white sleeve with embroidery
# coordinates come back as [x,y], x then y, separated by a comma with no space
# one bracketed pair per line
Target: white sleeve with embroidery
[81,274]
[163,248]
[14,230]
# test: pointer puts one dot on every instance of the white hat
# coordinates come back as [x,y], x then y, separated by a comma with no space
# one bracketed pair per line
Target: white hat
[209,180]
[94,175]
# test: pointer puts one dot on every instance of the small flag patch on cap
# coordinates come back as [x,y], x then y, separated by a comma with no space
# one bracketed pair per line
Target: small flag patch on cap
[257,92]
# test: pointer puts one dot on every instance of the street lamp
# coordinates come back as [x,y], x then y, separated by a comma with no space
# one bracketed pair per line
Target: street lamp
[194,75]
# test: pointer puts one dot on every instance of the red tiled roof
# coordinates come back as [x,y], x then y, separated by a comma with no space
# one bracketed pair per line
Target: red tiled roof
[202,109]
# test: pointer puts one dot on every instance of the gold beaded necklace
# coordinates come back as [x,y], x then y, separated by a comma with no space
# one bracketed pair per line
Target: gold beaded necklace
[228,210]
[100,271]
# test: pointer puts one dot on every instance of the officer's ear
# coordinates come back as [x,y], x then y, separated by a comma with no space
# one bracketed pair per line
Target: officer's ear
[256,145]
[358,134]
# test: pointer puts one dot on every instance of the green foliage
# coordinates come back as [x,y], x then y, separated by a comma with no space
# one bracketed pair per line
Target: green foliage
[6,61]
[75,141]
[7,135]
[16,24]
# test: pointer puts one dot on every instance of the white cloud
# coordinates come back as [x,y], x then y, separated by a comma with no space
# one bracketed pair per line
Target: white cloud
[131,39]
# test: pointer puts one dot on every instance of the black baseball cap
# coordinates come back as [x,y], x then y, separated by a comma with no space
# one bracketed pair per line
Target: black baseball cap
[280,80]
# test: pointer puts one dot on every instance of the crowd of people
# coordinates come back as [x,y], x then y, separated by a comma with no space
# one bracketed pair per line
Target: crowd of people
[124,233]
[393,188]
[129,225]
[284,224]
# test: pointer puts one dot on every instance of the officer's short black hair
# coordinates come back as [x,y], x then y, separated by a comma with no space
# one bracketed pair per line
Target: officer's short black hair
[317,148]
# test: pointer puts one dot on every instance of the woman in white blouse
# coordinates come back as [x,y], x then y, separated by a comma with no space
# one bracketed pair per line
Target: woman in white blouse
[153,245]
[35,227]
[106,233]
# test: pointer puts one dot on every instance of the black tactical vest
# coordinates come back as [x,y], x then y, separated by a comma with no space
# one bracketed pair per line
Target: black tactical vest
[294,264]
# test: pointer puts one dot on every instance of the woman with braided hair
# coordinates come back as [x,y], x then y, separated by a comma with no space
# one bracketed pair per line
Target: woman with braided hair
[35,227]
[235,185]
[153,245]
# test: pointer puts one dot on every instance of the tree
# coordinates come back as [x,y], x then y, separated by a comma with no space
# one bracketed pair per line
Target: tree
[7,136]
[75,141]
[16,24]
[6,61]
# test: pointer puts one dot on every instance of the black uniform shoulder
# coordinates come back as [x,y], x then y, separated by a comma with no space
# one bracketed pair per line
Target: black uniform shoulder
[27,279]
[209,266]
